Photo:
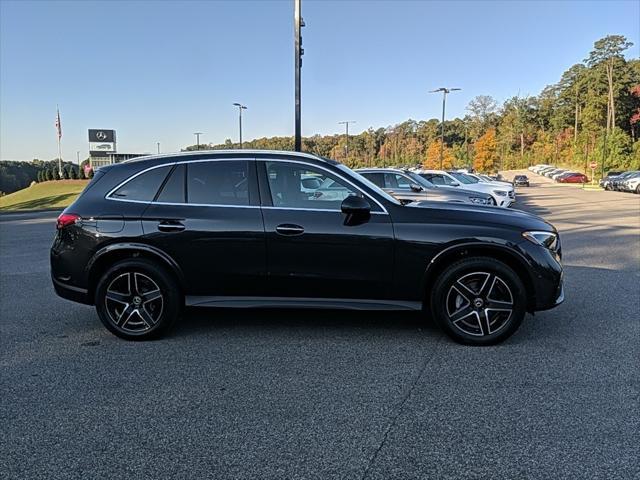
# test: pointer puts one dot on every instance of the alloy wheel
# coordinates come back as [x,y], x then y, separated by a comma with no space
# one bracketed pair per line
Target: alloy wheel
[479,304]
[134,302]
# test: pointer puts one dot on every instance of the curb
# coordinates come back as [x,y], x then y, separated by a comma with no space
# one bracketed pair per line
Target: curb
[42,210]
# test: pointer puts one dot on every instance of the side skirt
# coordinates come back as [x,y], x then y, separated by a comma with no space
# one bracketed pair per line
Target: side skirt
[289,302]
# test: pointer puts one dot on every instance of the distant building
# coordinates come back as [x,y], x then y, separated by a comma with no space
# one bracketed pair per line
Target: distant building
[102,149]
[100,160]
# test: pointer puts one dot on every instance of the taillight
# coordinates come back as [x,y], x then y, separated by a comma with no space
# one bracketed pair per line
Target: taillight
[66,219]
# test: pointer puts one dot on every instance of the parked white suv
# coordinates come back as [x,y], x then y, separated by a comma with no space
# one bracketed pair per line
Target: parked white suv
[502,194]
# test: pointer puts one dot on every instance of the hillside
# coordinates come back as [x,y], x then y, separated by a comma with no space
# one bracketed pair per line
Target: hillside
[42,195]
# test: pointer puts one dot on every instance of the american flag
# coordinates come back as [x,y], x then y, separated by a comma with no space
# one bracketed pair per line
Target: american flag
[58,124]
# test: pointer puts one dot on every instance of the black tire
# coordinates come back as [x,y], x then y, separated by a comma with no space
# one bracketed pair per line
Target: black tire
[638,189]
[138,300]
[481,319]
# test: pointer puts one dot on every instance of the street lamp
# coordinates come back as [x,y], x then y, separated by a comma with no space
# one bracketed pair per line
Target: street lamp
[240,108]
[158,144]
[444,101]
[346,124]
[298,51]
[197,134]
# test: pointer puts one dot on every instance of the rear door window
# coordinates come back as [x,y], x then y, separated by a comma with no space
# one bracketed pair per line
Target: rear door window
[173,190]
[218,182]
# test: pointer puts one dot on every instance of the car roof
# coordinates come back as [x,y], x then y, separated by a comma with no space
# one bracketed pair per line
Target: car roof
[381,169]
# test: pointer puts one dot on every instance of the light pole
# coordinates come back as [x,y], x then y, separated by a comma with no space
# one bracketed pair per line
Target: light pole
[197,134]
[298,51]
[78,157]
[346,124]
[444,91]
[240,108]
[158,145]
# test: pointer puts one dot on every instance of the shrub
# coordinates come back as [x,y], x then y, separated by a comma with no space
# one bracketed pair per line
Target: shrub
[56,174]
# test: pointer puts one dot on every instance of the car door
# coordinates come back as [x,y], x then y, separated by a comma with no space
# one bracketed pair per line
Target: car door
[312,250]
[207,218]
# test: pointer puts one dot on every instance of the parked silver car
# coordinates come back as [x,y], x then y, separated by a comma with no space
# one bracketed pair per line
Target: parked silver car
[408,186]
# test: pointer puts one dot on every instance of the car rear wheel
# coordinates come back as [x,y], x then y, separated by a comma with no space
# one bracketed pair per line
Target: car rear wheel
[479,301]
[137,300]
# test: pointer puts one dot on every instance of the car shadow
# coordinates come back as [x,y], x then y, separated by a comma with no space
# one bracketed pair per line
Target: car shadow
[206,319]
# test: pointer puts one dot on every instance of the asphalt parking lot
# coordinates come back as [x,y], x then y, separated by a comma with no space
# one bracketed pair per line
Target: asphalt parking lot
[315,394]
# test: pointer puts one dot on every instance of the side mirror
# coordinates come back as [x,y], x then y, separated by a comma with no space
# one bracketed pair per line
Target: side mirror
[415,187]
[357,210]
[455,184]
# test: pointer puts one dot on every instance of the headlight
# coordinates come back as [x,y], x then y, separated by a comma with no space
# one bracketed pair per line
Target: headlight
[502,193]
[479,200]
[546,239]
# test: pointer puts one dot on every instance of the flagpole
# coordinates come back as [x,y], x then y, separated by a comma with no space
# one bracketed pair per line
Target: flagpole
[59,159]
[59,128]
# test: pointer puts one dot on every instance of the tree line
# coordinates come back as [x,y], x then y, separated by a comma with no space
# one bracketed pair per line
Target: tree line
[591,114]
[15,176]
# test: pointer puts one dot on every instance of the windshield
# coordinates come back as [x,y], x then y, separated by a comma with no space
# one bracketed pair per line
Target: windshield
[461,177]
[350,173]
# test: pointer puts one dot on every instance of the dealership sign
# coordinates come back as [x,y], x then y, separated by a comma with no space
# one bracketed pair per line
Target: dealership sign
[102,141]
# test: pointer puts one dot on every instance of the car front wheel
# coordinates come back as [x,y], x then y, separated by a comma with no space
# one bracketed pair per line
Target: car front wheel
[479,301]
[137,300]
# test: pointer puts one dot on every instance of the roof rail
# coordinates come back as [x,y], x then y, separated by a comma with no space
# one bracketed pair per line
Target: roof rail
[227,152]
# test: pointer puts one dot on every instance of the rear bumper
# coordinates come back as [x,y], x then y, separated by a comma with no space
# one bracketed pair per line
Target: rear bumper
[69,292]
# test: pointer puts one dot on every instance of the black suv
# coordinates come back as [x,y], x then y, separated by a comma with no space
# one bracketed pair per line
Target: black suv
[264,229]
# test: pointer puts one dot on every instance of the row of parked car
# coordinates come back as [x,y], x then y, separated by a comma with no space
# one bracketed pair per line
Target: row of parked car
[622,181]
[413,185]
[560,175]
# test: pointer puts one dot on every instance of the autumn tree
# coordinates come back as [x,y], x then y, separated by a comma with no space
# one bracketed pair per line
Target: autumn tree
[432,157]
[486,149]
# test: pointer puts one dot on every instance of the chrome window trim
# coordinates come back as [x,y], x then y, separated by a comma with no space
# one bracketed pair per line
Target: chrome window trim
[384,210]
[171,164]
[268,207]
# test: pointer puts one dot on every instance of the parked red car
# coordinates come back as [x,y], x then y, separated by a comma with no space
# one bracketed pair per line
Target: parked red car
[574,178]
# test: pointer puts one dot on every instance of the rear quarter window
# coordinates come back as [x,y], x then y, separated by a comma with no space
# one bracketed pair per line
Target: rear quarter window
[143,187]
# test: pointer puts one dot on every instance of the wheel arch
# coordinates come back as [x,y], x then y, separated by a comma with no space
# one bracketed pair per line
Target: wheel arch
[107,256]
[508,256]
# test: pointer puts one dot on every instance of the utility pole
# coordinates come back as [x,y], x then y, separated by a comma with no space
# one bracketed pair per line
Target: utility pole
[298,23]
[240,108]
[78,157]
[158,145]
[444,91]
[346,124]
[197,134]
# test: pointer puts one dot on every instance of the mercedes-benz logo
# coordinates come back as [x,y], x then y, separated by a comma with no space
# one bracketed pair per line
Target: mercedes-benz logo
[101,136]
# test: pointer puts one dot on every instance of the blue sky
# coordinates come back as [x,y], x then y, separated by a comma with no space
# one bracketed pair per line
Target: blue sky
[161,70]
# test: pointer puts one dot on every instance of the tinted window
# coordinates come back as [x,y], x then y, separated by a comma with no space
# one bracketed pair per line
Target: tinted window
[377,178]
[289,189]
[218,183]
[173,189]
[143,187]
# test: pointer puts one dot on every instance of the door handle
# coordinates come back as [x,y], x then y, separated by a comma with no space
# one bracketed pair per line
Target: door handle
[289,229]
[170,226]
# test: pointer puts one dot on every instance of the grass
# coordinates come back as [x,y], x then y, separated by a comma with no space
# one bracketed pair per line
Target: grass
[54,194]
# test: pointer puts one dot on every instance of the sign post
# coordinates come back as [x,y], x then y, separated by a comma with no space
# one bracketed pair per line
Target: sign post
[593,166]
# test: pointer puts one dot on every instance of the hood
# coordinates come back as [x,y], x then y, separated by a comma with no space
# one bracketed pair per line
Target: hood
[445,212]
